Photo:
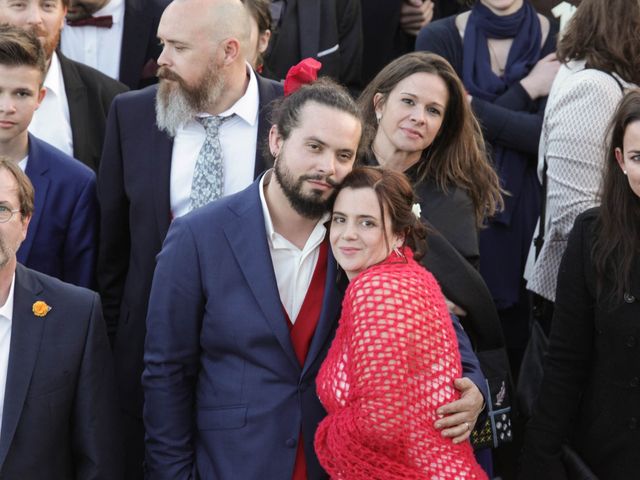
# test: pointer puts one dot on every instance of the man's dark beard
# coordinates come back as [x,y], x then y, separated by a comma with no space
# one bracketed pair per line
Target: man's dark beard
[310,206]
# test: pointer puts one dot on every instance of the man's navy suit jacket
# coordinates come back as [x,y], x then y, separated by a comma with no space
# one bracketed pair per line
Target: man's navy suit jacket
[62,239]
[60,417]
[133,192]
[225,395]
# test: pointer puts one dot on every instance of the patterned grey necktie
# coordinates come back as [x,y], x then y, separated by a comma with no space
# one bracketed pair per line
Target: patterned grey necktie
[208,175]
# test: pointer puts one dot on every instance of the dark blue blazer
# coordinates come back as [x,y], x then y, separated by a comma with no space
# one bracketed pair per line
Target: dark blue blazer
[62,239]
[225,395]
[60,418]
[133,191]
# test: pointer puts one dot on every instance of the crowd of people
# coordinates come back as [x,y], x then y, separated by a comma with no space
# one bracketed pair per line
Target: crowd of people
[291,239]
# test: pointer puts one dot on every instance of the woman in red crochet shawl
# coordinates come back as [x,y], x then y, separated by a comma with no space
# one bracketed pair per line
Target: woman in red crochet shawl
[395,355]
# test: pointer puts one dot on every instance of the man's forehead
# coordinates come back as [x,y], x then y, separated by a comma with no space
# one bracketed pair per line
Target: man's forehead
[327,124]
[19,75]
[8,187]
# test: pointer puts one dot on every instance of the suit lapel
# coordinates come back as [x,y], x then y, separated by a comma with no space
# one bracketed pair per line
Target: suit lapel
[26,336]
[159,159]
[76,93]
[37,166]
[253,256]
[328,317]
[309,27]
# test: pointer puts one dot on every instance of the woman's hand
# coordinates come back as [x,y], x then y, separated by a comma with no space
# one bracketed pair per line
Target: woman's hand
[415,14]
[538,82]
[460,417]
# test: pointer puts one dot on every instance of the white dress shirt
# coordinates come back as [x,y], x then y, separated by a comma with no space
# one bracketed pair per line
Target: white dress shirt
[293,267]
[51,121]
[6,319]
[238,137]
[97,47]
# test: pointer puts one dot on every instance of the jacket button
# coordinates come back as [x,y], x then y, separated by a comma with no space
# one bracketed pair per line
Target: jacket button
[633,423]
[291,442]
[635,381]
[629,298]
[631,341]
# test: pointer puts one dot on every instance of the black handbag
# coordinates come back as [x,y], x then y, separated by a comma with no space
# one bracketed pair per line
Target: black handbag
[531,370]
[497,428]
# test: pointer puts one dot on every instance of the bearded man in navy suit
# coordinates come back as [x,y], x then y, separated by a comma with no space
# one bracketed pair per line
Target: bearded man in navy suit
[152,145]
[243,308]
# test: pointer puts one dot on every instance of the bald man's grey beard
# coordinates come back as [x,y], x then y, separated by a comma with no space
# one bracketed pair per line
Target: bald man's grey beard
[172,109]
[176,103]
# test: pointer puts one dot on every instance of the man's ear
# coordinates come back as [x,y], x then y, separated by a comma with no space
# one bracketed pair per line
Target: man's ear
[275,141]
[64,14]
[41,94]
[25,226]
[231,48]
[263,41]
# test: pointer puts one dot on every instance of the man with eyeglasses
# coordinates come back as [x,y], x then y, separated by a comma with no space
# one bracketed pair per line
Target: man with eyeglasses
[58,411]
[62,240]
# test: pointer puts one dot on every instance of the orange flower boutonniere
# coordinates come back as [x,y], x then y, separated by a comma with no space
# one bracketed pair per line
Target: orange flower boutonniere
[40,308]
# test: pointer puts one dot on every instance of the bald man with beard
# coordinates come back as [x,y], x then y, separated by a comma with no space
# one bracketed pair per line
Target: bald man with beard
[152,145]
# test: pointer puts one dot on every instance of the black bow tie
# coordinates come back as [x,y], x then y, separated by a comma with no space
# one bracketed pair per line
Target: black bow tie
[101,22]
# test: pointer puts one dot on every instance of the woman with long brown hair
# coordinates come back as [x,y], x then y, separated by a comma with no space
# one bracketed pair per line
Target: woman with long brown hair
[590,395]
[420,123]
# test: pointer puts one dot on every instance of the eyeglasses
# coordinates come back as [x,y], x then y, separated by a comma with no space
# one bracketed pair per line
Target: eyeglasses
[6,213]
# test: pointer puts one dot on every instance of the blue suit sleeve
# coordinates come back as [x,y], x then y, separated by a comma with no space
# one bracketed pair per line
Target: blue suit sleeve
[81,242]
[172,355]
[470,363]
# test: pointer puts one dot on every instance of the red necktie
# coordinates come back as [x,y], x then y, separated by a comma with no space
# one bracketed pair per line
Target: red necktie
[101,22]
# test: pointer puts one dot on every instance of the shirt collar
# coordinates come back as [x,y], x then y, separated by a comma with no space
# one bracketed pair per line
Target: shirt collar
[115,8]
[6,310]
[53,81]
[268,223]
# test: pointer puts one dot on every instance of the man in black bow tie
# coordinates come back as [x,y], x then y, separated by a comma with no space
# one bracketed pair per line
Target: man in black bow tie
[117,37]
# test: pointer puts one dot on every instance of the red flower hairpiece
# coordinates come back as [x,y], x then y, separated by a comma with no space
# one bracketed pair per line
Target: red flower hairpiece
[304,72]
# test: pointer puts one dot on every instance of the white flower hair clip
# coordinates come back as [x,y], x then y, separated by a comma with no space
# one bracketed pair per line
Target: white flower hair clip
[416,210]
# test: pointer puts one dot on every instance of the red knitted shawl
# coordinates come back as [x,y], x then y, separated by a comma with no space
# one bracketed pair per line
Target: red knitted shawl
[391,365]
